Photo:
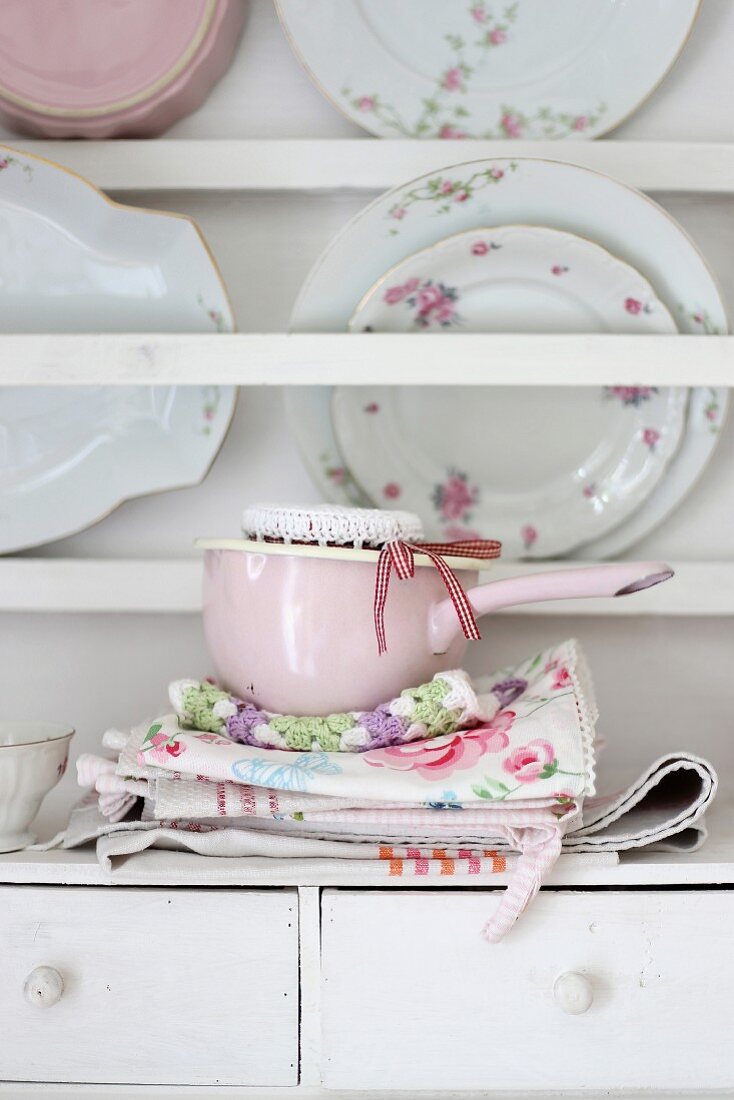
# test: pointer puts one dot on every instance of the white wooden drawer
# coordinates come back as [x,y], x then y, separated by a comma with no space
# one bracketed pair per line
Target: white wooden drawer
[160,986]
[413,998]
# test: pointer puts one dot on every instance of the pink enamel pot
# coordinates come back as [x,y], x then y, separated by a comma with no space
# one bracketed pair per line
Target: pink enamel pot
[291,628]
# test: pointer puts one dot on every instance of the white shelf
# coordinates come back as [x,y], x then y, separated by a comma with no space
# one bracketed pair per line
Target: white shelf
[712,865]
[355,359]
[173,587]
[318,165]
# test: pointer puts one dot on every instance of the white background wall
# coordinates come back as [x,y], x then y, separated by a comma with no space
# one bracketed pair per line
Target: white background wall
[662,683]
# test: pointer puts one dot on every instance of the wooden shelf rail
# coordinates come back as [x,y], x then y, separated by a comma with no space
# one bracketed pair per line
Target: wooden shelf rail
[173,586]
[327,165]
[378,359]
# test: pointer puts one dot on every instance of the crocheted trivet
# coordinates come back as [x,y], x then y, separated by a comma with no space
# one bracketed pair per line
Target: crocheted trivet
[444,705]
[329,525]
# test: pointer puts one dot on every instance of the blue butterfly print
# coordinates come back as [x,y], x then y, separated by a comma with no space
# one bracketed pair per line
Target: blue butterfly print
[286,777]
[450,802]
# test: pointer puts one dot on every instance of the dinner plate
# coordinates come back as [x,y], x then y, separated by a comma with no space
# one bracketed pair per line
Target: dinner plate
[71,260]
[542,470]
[485,69]
[471,195]
[104,68]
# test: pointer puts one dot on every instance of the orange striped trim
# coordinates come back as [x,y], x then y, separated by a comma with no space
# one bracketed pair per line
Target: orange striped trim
[396,868]
[499,864]
[386,853]
[447,866]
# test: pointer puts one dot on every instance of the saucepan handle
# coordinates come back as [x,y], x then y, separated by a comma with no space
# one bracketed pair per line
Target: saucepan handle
[619,579]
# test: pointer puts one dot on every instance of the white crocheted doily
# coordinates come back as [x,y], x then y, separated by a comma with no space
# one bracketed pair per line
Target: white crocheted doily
[329,524]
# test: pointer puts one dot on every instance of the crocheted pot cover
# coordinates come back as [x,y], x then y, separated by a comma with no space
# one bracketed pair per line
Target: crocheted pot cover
[329,524]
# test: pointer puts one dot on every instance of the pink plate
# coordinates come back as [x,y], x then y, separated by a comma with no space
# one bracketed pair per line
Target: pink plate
[111,68]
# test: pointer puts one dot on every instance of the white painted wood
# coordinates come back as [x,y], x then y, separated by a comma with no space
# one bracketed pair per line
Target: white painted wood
[174,586]
[159,986]
[306,1092]
[317,359]
[314,165]
[100,585]
[433,1005]
[309,940]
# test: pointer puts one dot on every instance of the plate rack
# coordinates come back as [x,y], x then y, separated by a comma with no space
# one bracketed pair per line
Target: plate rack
[304,168]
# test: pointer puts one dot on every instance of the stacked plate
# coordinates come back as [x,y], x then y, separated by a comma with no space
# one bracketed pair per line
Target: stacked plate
[512,246]
[74,261]
[487,68]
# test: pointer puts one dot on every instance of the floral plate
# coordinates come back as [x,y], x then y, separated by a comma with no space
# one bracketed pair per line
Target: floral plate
[510,191]
[543,470]
[74,261]
[486,69]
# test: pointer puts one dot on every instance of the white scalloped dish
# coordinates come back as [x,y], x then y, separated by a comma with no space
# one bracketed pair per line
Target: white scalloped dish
[71,260]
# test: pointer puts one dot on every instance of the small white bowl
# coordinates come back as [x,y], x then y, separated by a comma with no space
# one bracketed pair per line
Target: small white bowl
[33,758]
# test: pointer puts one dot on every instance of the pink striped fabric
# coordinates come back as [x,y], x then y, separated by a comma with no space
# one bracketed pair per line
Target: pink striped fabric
[539,849]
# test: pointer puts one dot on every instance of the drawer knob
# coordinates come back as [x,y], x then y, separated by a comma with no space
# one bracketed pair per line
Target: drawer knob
[573,993]
[43,987]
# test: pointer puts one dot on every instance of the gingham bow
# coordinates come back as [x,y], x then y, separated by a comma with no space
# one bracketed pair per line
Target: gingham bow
[401,556]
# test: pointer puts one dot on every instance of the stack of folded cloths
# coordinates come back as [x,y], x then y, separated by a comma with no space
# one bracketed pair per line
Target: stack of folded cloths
[452,777]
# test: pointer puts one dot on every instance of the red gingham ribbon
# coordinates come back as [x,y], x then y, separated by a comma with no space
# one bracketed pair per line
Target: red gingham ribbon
[401,556]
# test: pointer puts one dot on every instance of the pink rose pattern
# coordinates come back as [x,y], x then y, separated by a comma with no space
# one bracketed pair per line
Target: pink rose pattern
[13,162]
[454,498]
[532,761]
[451,133]
[453,80]
[536,759]
[441,757]
[483,248]
[635,306]
[712,410]
[159,746]
[631,395]
[512,124]
[432,304]
[442,113]
[703,321]
[527,762]
[445,193]
[529,536]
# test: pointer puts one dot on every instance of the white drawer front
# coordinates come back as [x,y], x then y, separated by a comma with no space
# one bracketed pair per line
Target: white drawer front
[158,986]
[413,998]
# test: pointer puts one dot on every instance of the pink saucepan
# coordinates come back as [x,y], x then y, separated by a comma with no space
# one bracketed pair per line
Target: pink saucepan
[291,628]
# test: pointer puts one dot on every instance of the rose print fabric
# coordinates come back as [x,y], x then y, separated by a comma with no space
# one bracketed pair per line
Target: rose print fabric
[518,753]
[536,743]
[509,771]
